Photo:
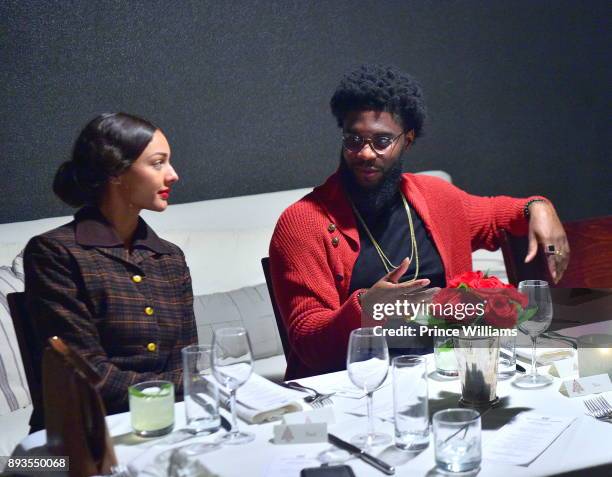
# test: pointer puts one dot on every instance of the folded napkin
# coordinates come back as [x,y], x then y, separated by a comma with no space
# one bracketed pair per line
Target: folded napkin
[545,356]
[260,400]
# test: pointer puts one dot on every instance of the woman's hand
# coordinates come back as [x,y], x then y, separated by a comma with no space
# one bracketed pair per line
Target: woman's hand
[545,228]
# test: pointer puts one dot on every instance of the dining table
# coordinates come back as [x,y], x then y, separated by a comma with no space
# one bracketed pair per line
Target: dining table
[584,446]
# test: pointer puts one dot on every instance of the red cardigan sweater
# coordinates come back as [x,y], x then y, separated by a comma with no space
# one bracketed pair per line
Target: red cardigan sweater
[316,243]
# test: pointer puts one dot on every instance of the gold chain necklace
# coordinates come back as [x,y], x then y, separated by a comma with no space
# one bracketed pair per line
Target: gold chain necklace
[384,259]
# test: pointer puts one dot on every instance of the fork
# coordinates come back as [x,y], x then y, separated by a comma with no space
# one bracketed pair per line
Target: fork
[316,399]
[599,407]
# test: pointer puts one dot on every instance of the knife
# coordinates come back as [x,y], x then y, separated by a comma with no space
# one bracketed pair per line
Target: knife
[225,424]
[361,454]
[507,356]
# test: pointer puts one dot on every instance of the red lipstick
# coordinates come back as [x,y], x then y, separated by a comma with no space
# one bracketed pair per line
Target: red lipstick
[165,193]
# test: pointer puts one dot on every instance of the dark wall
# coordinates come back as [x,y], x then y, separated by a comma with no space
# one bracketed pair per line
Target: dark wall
[518,92]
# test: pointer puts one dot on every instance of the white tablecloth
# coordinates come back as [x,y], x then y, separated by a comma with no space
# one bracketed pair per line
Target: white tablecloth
[587,442]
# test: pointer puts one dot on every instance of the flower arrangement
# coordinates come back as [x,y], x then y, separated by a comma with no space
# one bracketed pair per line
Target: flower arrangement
[475,298]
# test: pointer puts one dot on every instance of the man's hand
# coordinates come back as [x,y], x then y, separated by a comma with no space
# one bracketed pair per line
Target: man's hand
[545,229]
[388,288]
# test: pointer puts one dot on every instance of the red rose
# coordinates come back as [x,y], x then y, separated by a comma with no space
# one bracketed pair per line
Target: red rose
[500,311]
[452,301]
[467,278]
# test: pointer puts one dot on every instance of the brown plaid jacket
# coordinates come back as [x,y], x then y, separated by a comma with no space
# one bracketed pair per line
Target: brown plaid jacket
[129,314]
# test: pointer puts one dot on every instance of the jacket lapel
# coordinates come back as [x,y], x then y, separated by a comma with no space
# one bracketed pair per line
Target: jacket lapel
[418,202]
[333,200]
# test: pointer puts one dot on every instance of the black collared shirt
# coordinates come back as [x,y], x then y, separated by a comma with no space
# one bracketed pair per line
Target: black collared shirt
[392,232]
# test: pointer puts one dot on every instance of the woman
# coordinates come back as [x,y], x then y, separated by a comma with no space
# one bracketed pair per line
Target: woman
[105,282]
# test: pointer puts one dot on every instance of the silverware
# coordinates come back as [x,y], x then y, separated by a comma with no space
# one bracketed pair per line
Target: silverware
[506,355]
[315,399]
[361,454]
[225,424]
[599,407]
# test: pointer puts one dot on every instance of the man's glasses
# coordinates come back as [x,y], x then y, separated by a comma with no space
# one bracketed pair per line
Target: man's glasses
[379,144]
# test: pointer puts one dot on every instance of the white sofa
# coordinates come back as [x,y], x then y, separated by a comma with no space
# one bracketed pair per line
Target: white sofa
[223,241]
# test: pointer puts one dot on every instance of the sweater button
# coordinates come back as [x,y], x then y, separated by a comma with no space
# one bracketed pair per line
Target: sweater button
[331,228]
[151,347]
[136,278]
[339,277]
[149,311]
[335,241]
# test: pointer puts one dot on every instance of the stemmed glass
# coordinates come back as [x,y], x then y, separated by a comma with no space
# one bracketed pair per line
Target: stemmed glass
[232,365]
[367,363]
[538,296]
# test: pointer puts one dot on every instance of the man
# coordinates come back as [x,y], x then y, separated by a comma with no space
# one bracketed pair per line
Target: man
[346,242]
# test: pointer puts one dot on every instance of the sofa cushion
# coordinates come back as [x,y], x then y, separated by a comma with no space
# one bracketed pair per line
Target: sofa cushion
[225,259]
[249,307]
[14,392]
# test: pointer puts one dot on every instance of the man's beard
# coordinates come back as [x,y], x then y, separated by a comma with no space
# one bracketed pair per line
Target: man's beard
[371,202]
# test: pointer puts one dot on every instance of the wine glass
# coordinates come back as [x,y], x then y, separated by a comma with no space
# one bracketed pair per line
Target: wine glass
[367,363]
[232,365]
[538,296]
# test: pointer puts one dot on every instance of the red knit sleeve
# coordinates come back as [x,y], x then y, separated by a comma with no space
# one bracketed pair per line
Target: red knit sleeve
[318,325]
[488,216]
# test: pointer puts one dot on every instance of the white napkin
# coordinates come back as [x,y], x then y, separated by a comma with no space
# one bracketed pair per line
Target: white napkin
[260,400]
[545,355]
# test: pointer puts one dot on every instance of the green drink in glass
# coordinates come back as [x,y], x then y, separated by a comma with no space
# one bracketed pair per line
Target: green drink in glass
[152,408]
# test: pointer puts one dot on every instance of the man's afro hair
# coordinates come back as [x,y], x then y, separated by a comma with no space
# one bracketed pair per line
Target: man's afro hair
[380,88]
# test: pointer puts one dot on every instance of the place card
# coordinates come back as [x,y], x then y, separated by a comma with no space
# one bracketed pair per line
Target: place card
[300,433]
[582,386]
[304,427]
[563,368]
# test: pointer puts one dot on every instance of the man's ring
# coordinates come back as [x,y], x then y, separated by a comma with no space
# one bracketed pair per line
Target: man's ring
[551,250]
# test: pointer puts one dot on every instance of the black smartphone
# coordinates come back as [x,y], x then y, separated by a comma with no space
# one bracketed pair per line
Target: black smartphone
[328,471]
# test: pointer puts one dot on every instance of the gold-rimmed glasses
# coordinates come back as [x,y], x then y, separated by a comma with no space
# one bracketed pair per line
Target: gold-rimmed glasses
[379,143]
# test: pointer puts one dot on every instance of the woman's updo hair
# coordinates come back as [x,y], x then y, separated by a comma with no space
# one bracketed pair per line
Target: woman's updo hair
[106,147]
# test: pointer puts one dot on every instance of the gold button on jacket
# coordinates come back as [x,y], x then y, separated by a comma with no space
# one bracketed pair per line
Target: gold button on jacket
[335,241]
[151,347]
[331,228]
[136,278]
[149,311]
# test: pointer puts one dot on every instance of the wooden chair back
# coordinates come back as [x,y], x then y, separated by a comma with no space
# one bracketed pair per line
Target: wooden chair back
[74,412]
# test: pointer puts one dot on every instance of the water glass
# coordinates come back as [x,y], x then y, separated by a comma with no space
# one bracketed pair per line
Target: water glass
[200,390]
[152,408]
[457,440]
[410,402]
[507,357]
[444,357]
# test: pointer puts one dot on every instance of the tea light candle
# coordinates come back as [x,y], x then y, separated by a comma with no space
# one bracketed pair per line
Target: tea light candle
[594,355]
